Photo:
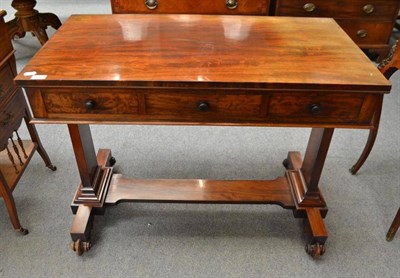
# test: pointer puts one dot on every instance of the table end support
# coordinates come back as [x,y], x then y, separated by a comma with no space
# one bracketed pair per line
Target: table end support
[85,208]
[81,229]
[316,233]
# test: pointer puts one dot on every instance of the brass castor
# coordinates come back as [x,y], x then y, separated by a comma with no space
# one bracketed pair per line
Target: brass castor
[22,231]
[52,167]
[315,250]
[285,163]
[79,247]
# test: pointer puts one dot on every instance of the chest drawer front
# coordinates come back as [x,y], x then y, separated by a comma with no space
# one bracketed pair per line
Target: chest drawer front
[90,101]
[306,108]
[202,106]
[373,9]
[6,82]
[11,116]
[367,32]
[254,7]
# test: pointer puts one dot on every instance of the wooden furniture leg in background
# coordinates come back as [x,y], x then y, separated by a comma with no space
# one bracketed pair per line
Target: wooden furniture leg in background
[373,133]
[27,19]
[40,149]
[394,227]
[6,193]
[388,66]
[13,161]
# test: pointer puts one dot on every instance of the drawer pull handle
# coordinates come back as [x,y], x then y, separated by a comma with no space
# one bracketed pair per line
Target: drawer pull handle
[309,7]
[7,119]
[232,4]
[151,4]
[90,104]
[368,8]
[203,106]
[362,33]
[315,109]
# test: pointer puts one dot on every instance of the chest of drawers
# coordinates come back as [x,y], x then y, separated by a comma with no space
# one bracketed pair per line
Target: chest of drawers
[368,22]
[245,7]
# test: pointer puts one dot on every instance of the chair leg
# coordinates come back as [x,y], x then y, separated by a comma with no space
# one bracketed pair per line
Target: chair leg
[367,149]
[371,140]
[40,149]
[394,227]
[10,205]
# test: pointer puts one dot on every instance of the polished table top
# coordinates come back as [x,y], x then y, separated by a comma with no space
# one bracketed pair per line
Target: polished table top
[203,51]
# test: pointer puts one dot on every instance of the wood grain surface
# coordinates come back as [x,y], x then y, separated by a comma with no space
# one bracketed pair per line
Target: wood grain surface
[203,51]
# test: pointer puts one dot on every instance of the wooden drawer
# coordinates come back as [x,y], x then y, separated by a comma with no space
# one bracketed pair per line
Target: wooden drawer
[6,82]
[367,32]
[274,108]
[90,101]
[319,107]
[249,7]
[11,116]
[373,9]
[204,106]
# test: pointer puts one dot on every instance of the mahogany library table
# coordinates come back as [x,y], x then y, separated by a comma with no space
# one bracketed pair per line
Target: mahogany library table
[202,70]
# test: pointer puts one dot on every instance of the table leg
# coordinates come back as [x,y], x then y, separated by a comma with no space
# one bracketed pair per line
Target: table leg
[27,19]
[81,229]
[303,177]
[95,175]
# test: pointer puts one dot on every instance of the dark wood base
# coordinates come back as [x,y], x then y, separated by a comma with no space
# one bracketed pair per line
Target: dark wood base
[27,19]
[281,191]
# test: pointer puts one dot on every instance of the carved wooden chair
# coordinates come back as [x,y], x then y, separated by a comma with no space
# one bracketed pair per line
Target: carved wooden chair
[391,67]
[388,66]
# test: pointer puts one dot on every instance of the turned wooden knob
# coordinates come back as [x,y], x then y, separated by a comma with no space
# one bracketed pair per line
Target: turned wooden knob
[90,104]
[203,106]
[315,109]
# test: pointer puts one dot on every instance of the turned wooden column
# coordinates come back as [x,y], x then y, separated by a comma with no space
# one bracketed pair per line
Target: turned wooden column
[27,19]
